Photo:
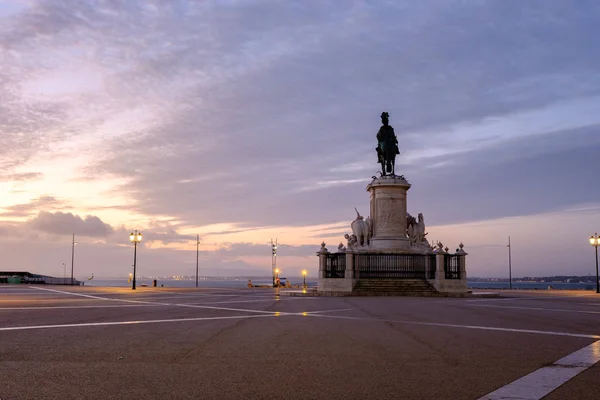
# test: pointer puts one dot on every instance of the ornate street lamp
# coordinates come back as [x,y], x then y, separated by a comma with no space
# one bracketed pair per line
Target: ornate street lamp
[274,259]
[595,241]
[135,238]
[304,276]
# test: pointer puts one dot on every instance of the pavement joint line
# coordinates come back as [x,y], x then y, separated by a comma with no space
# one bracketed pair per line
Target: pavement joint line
[66,307]
[259,311]
[213,294]
[167,293]
[256,301]
[160,298]
[92,324]
[476,327]
[459,300]
[182,295]
[536,308]
[28,293]
[152,321]
[200,290]
[176,304]
[165,304]
[225,308]
[89,296]
[154,292]
[203,290]
[305,313]
[159,294]
[502,299]
[543,381]
[44,300]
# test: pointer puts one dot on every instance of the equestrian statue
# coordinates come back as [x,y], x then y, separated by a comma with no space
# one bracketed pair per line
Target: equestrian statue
[387,146]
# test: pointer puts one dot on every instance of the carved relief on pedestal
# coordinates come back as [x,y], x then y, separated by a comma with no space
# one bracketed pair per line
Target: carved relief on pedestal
[389,215]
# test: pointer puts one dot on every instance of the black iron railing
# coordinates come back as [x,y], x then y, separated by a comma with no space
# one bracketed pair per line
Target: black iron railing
[335,265]
[432,265]
[390,266]
[452,264]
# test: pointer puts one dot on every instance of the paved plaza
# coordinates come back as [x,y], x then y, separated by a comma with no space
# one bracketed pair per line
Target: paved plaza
[60,342]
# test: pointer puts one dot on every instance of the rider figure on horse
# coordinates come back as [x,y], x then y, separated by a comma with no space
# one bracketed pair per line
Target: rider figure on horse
[387,146]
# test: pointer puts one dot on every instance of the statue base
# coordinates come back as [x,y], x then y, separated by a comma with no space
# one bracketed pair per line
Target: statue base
[388,214]
[382,244]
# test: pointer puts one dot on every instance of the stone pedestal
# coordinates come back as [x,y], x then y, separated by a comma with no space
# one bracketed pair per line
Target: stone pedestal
[388,214]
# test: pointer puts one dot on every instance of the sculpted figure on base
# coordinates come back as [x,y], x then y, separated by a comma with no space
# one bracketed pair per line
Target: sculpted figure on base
[416,230]
[387,146]
[351,241]
[361,229]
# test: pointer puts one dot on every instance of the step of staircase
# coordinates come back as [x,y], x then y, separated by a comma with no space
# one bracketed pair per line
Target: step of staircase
[394,287]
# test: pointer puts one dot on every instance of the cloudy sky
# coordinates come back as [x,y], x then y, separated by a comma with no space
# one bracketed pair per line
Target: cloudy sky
[246,120]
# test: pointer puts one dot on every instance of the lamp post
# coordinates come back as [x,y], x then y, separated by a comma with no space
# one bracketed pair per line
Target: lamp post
[72,257]
[509,266]
[274,259]
[197,251]
[595,241]
[135,238]
[304,276]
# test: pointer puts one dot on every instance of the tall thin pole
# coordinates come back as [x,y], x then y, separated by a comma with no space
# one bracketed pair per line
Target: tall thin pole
[509,266]
[72,257]
[597,282]
[134,261]
[273,259]
[197,252]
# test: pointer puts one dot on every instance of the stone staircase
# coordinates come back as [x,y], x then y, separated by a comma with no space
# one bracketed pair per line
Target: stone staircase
[393,287]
